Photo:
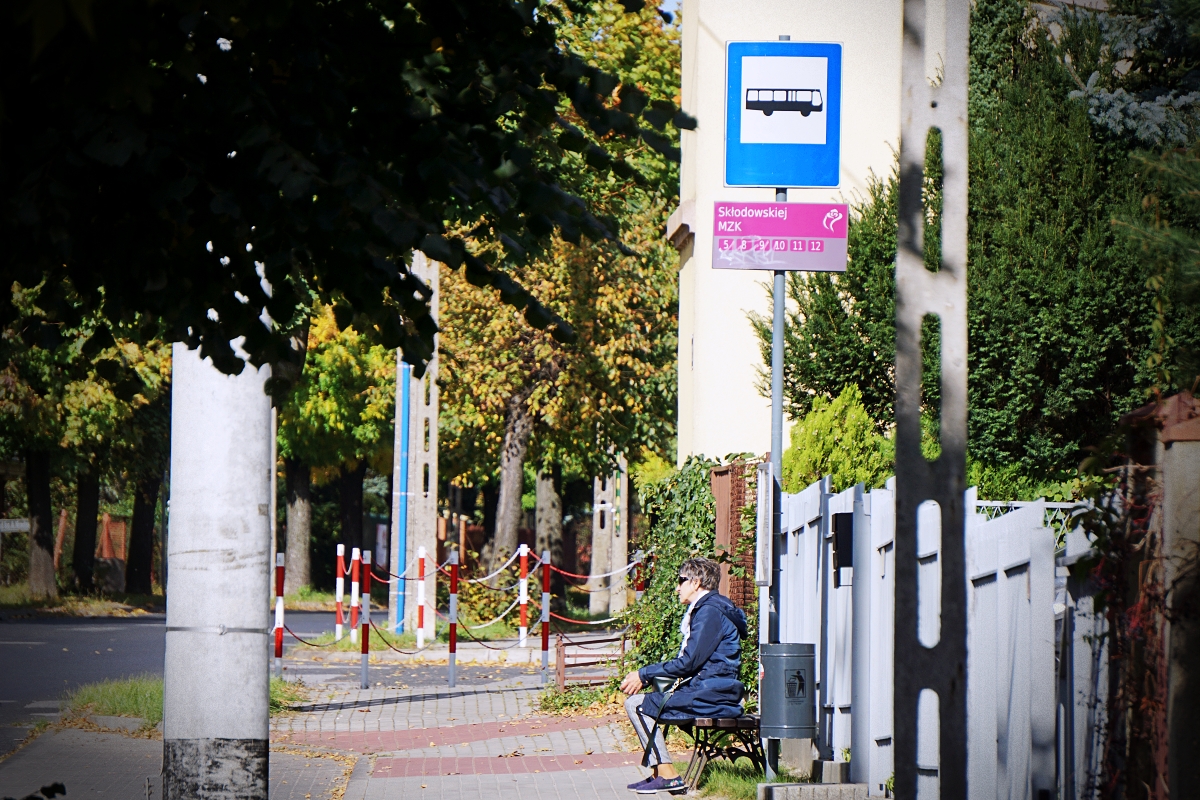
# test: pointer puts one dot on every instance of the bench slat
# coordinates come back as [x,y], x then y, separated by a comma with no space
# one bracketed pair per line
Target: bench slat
[744,722]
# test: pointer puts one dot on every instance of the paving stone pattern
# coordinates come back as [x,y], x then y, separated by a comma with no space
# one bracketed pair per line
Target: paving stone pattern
[88,764]
[410,736]
[484,735]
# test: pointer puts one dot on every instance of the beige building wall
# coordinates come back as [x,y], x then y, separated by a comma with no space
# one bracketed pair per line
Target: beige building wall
[720,408]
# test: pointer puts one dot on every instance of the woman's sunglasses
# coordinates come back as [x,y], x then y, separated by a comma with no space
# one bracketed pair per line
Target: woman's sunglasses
[683,579]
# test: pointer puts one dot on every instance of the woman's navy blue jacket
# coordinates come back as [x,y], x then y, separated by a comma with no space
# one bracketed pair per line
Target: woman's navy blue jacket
[711,658]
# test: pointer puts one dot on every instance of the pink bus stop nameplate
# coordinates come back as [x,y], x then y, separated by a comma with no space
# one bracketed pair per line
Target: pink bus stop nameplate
[780,236]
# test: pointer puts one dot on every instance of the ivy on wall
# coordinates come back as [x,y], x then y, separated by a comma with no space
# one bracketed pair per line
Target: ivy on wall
[682,512]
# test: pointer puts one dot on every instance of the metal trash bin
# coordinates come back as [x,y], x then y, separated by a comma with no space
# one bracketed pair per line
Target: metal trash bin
[787,694]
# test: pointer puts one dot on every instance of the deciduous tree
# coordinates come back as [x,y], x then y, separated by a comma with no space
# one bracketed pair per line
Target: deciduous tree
[68,400]
[201,164]
[337,420]
[505,385]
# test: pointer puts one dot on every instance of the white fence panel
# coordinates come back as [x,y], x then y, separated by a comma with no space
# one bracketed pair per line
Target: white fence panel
[800,563]
[1083,681]
[836,659]
[1010,657]
[1011,675]
[882,574]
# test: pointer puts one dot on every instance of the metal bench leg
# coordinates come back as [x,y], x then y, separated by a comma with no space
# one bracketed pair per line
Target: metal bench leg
[698,761]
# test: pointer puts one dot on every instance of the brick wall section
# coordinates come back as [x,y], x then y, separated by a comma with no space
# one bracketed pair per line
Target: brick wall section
[733,492]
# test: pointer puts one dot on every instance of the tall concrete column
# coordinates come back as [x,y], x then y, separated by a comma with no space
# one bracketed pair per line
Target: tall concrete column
[610,541]
[423,463]
[929,675]
[618,597]
[215,693]
[603,495]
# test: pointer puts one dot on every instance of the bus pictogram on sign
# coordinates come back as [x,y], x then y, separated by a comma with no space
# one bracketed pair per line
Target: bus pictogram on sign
[768,101]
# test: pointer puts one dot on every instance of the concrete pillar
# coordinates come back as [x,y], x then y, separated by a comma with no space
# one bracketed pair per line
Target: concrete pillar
[602,516]
[618,597]
[215,695]
[610,541]
[423,462]
[1180,461]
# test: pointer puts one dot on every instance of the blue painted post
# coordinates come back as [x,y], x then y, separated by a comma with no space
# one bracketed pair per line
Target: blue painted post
[399,550]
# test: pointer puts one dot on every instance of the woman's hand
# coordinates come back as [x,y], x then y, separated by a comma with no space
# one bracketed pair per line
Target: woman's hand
[632,684]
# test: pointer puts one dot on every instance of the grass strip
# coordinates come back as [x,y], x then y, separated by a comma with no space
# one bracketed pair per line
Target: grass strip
[17,597]
[137,696]
[141,696]
[736,781]
[286,695]
[575,700]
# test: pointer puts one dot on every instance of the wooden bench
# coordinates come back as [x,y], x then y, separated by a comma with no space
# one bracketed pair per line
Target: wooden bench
[585,655]
[729,738]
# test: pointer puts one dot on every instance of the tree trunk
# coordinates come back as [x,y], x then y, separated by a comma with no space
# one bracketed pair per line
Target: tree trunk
[141,538]
[299,526]
[351,486]
[488,545]
[550,522]
[518,425]
[87,516]
[41,530]
[216,722]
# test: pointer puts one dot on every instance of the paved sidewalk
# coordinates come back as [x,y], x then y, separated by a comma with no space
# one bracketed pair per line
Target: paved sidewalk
[576,785]
[110,765]
[482,738]
[412,736]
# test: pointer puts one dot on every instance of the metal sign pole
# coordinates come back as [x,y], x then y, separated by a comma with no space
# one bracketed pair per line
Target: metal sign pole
[778,291]
[772,745]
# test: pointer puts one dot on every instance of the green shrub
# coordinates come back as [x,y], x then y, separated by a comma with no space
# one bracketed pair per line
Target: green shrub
[840,439]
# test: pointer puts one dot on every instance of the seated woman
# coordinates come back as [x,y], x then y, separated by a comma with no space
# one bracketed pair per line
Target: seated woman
[709,655]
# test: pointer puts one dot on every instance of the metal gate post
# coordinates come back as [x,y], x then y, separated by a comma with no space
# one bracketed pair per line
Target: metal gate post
[921,292]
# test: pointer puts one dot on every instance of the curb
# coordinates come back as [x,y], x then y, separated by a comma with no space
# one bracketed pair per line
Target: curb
[812,791]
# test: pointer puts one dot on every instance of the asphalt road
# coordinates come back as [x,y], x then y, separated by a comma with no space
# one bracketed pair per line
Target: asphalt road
[42,658]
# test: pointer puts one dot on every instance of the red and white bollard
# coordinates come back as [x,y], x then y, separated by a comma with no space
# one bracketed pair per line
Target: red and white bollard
[355,563]
[453,613]
[279,615]
[545,615]
[523,596]
[366,613]
[339,590]
[420,597]
[639,576]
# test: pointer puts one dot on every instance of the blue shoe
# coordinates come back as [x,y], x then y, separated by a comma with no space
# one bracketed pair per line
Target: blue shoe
[635,786]
[662,785]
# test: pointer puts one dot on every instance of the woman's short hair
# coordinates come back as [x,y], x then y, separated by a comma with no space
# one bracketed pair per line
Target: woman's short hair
[705,570]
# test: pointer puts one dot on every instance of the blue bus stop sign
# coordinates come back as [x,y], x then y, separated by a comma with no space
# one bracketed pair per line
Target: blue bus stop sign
[783,114]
